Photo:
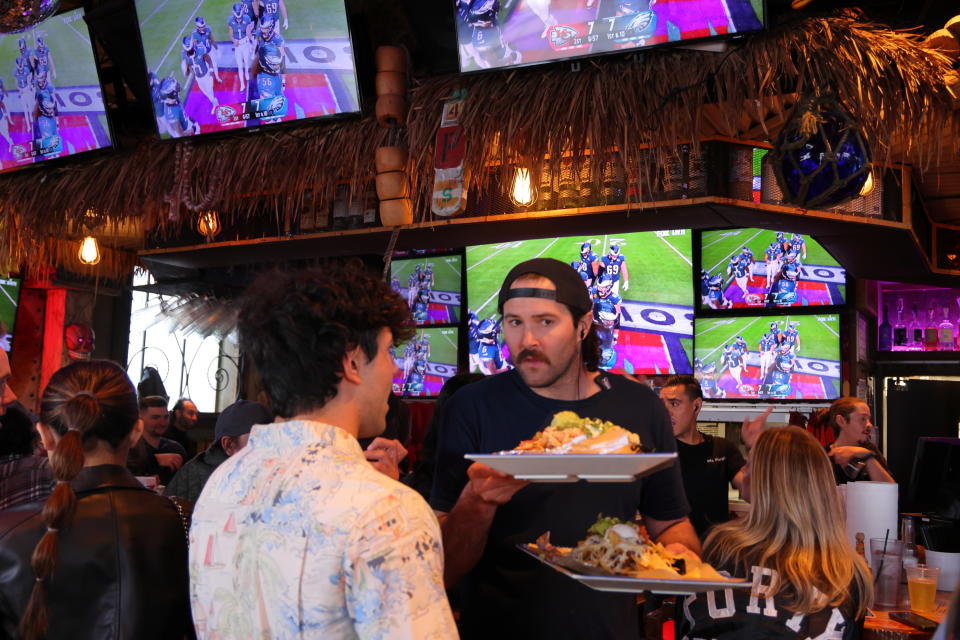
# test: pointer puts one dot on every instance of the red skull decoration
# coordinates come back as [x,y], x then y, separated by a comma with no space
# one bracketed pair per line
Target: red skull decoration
[79,338]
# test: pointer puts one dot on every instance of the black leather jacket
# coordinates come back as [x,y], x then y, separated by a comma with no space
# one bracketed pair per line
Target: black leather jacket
[122,567]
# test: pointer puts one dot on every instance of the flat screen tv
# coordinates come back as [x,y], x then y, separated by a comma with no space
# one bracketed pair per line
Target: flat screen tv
[50,93]
[645,315]
[9,301]
[431,286]
[761,268]
[426,362]
[795,357]
[220,65]
[506,33]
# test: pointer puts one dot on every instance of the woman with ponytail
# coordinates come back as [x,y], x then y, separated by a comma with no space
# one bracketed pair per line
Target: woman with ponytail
[103,557]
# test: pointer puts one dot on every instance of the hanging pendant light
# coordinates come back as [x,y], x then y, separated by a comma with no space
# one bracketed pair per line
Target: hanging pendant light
[820,158]
[524,192]
[89,253]
[208,223]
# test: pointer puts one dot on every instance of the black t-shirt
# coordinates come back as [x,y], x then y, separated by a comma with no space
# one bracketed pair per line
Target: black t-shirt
[181,437]
[734,614]
[841,476]
[142,459]
[510,594]
[707,469]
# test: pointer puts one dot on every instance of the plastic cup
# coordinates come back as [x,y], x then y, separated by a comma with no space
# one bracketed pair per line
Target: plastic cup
[886,559]
[922,587]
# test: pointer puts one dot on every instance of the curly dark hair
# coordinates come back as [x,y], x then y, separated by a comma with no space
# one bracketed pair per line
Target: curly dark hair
[296,327]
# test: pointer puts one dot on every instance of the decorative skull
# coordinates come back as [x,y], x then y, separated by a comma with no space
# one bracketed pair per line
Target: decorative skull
[79,339]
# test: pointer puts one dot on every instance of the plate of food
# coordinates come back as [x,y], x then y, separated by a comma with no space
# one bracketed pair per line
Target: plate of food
[572,448]
[618,556]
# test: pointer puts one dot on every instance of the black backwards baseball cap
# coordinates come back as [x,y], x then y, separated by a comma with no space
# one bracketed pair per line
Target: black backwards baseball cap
[570,289]
[239,418]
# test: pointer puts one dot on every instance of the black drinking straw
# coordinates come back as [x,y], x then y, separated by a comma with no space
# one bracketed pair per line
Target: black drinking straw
[883,554]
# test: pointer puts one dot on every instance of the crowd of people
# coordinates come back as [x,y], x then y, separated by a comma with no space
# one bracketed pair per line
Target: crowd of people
[287,526]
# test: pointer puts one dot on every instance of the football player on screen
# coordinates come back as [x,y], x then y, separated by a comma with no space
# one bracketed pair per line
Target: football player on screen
[273,9]
[486,46]
[23,75]
[473,341]
[4,116]
[413,386]
[174,121]
[767,347]
[772,254]
[732,360]
[271,64]
[737,271]
[203,34]
[43,60]
[589,264]
[715,297]
[606,315]
[612,266]
[195,61]
[240,24]
[706,374]
[784,289]
[746,255]
[783,365]
[791,337]
[798,245]
[421,306]
[45,132]
[704,287]
[491,359]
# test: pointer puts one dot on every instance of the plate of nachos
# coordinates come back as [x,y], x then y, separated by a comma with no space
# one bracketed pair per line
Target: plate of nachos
[573,448]
[619,556]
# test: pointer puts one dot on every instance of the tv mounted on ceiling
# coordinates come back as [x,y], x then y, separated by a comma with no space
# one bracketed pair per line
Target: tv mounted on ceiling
[220,65]
[494,34]
[50,100]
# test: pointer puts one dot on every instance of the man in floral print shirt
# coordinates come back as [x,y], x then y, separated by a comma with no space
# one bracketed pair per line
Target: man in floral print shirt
[298,535]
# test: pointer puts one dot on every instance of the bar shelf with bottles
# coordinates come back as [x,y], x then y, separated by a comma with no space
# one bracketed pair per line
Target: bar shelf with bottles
[917,318]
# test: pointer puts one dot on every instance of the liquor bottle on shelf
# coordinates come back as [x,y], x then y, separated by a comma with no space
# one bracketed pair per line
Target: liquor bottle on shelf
[899,329]
[915,330]
[945,332]
[339,208]
[614,185]
[885,332]
[930,336]
[567,189]
[548,191]
[588,190]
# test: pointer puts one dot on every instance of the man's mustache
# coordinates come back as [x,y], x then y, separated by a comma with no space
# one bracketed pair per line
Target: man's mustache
[532,354]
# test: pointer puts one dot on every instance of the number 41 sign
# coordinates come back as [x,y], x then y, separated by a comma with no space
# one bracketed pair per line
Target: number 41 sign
[449,191]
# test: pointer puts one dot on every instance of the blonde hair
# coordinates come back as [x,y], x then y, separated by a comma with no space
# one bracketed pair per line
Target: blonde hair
[795,527]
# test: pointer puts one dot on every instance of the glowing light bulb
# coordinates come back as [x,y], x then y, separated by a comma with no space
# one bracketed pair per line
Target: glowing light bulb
[89,251]
[868,185]
[524,193]
[208,223]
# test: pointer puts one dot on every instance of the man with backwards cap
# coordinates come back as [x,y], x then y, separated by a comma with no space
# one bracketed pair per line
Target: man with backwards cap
[229,436]
[549,330]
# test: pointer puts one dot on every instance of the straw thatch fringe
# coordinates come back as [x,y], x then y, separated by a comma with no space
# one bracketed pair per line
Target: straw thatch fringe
[632,113]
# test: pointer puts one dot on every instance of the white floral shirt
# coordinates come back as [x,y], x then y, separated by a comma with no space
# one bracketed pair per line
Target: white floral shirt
[297,536]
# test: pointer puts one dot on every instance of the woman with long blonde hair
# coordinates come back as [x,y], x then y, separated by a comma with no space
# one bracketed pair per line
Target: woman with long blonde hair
[807,579]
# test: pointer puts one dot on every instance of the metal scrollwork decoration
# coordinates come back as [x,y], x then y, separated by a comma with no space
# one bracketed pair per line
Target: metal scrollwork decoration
[20,15]
[820,157]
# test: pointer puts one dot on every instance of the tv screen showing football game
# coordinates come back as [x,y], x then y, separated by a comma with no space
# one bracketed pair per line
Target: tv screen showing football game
[769,357]
[50,101]
[760,268]
[219,65]
[431,286]
[506,33]
[639,284]
[9,301]
[425,362]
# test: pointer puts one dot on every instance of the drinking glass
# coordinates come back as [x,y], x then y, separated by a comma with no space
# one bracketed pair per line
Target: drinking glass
[886,559]
[922,587]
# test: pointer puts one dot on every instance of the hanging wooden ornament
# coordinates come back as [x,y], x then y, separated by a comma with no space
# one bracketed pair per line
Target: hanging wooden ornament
[820,158]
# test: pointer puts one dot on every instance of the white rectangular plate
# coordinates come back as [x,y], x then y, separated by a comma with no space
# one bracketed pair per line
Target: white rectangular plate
[571,467]
[624,584]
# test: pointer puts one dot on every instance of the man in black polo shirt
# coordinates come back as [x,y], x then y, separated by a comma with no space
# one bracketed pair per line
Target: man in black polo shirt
[707,463]
[549,331]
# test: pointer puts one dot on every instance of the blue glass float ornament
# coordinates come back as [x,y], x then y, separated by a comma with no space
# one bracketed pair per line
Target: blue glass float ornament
[820,158]
[20,15]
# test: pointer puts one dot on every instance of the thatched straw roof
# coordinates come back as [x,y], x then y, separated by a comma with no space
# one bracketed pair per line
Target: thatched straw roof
[885,79]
